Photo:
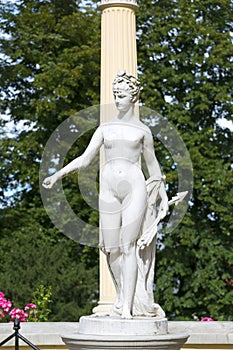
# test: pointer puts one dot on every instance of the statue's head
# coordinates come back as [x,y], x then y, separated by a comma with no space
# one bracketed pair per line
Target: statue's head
[127,82]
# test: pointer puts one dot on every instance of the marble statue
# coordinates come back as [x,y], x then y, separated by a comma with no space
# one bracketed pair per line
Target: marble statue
[130,207]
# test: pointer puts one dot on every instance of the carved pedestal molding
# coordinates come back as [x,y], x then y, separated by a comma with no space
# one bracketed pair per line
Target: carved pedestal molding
[106,333]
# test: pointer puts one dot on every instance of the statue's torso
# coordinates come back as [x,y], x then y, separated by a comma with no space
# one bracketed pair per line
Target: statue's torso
[123,144]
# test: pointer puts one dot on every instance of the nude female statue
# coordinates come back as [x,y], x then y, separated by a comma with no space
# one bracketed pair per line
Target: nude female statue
[123,197]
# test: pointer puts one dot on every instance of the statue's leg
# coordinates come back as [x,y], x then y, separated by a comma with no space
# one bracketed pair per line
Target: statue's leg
[132,216]
[114,264]
[110,218]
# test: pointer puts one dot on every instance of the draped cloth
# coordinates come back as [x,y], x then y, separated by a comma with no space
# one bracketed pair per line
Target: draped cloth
[144,304]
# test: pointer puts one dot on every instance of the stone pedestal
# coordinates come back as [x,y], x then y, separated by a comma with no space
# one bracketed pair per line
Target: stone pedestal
[106,333]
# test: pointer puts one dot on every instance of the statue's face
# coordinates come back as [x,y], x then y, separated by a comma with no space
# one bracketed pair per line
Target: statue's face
[123,98]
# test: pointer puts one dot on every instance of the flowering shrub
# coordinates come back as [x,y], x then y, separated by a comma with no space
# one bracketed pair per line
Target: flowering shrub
[32,312]
[202,319]
[5,305]
[7,313]
[207,319]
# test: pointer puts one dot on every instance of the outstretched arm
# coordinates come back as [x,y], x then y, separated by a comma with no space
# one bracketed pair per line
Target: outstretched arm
[80,162]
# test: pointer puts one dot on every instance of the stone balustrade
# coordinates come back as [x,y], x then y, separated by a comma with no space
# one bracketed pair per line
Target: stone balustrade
[46,335]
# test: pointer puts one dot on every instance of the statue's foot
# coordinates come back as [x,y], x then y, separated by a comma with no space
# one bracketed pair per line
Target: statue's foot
[126,314]
[115,311]
[118,303]
[159,313]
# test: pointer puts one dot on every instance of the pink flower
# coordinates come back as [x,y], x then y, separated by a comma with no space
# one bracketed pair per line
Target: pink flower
[7,311]
[5,305]
[207,319]
[18,314]
[30,305]
[8,306]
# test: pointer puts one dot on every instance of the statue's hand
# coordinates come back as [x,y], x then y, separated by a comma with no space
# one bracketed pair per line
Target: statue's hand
[147,237]
[102,247]
[49,181]
[145,240]
[103,250]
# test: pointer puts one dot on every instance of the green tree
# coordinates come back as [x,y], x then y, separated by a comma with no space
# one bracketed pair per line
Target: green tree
[185,63]
[49,70]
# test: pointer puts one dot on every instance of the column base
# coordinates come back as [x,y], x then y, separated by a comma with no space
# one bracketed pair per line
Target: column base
[103,307]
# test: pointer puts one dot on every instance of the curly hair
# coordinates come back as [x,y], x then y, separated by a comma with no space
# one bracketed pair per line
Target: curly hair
[133,83]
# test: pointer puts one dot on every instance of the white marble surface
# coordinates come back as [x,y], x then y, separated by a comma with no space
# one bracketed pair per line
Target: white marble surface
[48,333]
[122,342]
[106,333]
[127,203]
[103,325]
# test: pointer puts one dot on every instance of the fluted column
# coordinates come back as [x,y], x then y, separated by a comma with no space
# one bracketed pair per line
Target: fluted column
[118,44]
[118,53]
